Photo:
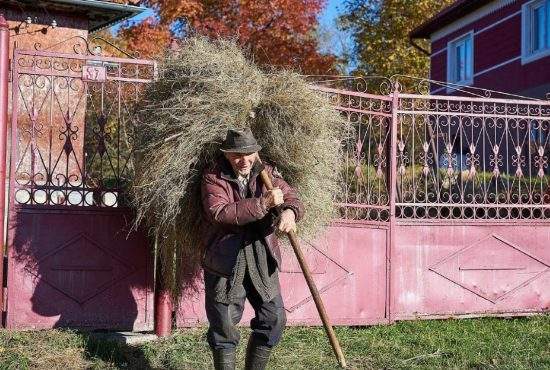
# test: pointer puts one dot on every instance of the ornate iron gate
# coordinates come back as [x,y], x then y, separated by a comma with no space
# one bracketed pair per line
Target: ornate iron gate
[444,210]
[72,257]
[444,204]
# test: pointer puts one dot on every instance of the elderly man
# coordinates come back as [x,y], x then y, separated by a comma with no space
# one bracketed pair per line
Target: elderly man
[242,257]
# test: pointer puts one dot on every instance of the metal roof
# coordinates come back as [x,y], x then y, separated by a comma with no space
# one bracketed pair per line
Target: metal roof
[100,13]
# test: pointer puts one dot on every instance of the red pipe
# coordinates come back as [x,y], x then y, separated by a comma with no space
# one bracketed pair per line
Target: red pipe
[4,77]
[163,306]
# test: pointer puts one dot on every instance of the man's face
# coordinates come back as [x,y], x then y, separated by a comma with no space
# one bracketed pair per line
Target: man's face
[241,162]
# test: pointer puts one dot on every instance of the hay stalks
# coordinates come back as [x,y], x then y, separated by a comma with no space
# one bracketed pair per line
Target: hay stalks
[206,88]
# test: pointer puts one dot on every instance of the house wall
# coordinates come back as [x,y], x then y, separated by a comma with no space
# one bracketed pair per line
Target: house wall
[497,51]
[68,25]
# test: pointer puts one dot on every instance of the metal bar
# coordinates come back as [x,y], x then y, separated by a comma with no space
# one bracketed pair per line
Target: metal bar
[362,205]
[474,99]
[373,113]
[390,244]
[461,114]
[72,74]
[99,58]
[476,205]
[4,78]
[352,93]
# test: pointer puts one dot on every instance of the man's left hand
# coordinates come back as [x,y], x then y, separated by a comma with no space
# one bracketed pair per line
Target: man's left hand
[288,221]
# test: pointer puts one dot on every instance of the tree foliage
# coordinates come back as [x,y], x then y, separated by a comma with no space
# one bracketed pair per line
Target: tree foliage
[380,33]
[275,32]
[149,38]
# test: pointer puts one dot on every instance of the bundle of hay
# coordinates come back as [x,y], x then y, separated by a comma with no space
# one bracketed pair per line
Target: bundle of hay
[204,89]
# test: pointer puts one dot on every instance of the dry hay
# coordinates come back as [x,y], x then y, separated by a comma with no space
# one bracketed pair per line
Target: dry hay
[204,89]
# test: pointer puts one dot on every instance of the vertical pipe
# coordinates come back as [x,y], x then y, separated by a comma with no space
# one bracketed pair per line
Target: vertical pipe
[163,300]
[394,127]
[4,76]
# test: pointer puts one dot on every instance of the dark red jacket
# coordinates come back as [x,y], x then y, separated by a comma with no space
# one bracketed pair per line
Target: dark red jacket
[233,222]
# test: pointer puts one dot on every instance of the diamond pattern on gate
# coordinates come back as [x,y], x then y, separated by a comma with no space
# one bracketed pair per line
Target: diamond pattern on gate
[326,271]
[491,268]
[81,279]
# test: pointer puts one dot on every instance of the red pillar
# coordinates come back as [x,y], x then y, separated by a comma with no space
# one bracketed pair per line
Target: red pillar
[163,306]
[4,76]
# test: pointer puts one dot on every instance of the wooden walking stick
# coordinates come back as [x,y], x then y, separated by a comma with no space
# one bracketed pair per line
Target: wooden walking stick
[311,284]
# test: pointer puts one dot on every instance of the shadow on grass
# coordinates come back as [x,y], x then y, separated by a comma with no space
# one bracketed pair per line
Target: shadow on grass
[113,352]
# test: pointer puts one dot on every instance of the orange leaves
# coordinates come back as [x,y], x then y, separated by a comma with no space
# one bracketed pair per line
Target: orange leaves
[148,38]
[275,32]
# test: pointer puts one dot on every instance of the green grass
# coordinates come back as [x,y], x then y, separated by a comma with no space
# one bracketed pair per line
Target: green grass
[488,343]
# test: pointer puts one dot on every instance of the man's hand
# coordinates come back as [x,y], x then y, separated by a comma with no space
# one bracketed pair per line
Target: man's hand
[273,198]
[288,221]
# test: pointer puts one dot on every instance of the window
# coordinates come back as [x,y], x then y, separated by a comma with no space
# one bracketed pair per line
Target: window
[460,57]
[535,30]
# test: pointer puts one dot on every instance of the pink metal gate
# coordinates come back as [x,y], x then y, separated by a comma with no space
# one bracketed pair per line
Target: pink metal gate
[444,211]
[444,204]
[472,206]
[72,258]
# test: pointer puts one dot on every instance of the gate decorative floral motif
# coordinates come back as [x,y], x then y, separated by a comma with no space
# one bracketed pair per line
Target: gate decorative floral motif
[455,157]
[472,157]
[70,116]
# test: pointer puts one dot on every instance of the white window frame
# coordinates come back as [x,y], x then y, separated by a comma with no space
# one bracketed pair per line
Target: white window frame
[527,54]
[451,60]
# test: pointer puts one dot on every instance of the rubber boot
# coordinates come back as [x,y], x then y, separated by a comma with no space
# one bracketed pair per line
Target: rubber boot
[224,359]
[256,356]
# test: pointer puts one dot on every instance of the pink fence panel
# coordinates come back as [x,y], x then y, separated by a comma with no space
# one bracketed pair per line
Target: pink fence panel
[92,273]
[349,267]
[470,269]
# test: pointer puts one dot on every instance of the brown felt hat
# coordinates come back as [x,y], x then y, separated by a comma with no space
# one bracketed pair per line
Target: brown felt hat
[240,141]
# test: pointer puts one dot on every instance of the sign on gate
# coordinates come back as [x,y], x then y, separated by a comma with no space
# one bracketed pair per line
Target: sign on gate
[93,73]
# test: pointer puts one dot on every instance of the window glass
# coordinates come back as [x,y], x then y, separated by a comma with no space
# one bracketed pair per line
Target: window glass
[469,61]
[463,62]
[539,28]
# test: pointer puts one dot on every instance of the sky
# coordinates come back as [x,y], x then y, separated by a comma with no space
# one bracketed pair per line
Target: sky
[331,11]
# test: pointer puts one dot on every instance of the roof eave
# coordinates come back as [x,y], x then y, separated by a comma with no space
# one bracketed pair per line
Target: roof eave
[123,11]
[445,17]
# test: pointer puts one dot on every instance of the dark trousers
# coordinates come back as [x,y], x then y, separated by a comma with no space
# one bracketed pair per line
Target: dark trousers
[267,325]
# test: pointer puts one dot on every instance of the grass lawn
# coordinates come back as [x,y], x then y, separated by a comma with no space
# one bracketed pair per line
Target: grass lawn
[488,343]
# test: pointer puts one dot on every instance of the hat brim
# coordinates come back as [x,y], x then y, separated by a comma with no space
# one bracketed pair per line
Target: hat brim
[246,149]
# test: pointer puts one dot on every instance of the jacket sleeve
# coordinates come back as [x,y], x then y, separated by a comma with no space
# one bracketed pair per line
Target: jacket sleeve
[290,196]
[218,208]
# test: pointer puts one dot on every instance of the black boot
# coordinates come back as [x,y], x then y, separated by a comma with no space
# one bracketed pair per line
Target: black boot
[224,359]
[256,356]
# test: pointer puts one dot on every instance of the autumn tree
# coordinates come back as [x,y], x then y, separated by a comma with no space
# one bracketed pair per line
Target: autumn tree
[275,32]
[148,38]
[380,33]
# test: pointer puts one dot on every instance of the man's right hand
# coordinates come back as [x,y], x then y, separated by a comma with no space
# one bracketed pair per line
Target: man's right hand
[273,198]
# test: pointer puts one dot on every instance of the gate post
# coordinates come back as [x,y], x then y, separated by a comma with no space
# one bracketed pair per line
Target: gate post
[163,299]
[4,77]
[394,126]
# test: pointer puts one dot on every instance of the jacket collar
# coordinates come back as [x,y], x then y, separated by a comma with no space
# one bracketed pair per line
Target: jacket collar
[227,173]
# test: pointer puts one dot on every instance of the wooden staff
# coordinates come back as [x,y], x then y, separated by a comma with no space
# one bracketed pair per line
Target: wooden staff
[311,284]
